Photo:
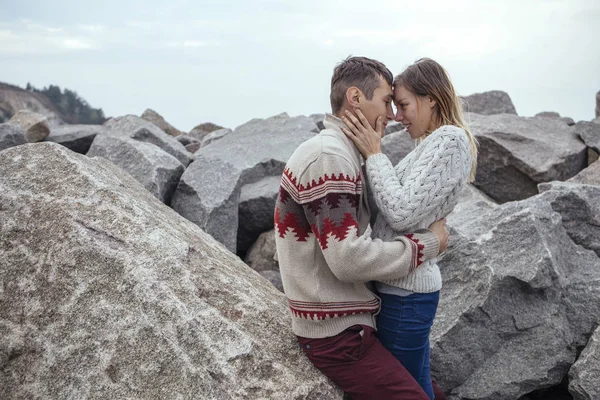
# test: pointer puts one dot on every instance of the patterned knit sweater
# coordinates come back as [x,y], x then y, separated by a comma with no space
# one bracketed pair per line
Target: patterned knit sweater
[323,238]
[423,188]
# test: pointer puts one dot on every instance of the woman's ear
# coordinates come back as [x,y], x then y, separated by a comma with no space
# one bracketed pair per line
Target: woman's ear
[431,101]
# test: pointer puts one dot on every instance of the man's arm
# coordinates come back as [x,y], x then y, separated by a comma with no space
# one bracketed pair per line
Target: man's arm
[331,206]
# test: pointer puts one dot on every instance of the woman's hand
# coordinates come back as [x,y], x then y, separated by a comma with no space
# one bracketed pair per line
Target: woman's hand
[366,139]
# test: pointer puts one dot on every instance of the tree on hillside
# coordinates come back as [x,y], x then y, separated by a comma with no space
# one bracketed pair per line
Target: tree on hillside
[74,109]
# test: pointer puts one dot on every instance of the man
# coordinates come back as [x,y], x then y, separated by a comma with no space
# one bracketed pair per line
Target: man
[326,254]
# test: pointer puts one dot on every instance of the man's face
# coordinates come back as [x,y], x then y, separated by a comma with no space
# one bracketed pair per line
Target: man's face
[380,105]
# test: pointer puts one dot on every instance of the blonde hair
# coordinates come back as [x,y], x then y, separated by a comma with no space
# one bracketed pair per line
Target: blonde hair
[426,77]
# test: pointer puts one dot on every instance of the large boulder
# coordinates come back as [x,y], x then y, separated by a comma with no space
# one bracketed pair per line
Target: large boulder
[77,138]
[155,169]
[397,145]
[107,293]
[214,136]
[580,217]
[34,125]
[11,135]
[472,205]
[519,297]
[274,277]
[554,115]
[209,190]
[589,132]
[158,120]
[262,254]
[589,176]
[139,129]
[256,210]
[584,376]
[488,103]
[517,153]
[201,130]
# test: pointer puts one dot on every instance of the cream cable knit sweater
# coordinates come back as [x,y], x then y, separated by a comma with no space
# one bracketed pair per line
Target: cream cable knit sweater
[423,188]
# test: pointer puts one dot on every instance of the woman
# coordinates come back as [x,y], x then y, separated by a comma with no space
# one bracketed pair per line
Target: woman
[424,187]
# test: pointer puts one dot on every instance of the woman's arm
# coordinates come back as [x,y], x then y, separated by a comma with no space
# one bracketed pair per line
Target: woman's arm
[441,170]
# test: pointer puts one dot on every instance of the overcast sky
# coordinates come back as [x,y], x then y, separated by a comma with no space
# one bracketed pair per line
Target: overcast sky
[230,61]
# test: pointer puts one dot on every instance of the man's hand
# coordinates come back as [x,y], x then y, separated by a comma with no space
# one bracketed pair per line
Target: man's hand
[439,228]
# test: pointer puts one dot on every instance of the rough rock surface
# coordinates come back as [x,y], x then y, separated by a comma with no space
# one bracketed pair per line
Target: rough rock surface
[584,376]
[520,295]
[209,190]
[139,129]
[34,125]
[261,256]
[158,120]
[397,145]
[11,135]
[488,103]
[155,169]
[256,209]
[107,293]
[77,138]
[517,153]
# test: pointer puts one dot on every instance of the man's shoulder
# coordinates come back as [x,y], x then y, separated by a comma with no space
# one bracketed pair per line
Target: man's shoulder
[325,147]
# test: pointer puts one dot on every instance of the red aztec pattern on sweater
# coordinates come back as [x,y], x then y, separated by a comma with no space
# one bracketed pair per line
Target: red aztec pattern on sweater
[321,311]
[417,252]
[301,208]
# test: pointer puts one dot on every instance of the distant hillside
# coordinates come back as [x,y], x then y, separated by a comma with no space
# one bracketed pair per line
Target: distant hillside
[59,106]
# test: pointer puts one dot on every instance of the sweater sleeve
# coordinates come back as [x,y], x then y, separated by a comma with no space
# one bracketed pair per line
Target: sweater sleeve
[332,207]
[435,177]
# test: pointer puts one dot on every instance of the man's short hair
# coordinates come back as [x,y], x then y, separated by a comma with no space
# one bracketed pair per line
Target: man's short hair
[361,72]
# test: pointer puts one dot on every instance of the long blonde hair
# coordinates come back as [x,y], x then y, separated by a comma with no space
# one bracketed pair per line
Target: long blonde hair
[427,77]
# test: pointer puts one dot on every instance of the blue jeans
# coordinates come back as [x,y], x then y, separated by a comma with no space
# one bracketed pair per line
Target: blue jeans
[403,326]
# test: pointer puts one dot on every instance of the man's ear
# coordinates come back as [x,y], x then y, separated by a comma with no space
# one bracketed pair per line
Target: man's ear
[353,97]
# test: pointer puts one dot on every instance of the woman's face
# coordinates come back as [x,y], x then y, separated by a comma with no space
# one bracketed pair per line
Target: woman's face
[415,112]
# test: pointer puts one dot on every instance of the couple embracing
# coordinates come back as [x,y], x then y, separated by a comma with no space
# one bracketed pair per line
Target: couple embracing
[363,298]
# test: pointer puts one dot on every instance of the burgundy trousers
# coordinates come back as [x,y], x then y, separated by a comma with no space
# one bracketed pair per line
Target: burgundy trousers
[357,362]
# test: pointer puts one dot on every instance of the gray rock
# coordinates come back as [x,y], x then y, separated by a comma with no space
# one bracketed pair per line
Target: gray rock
[517,153]
[256,209]
[262,254]
[209,190]
[488,103]
[554,115]
[77,138]
[186,139]
[596,120]
[598,104]
[580,217]
[518,299]
[11,135]
[589,176]
[472,205]
[548,114]
[214,136]
[589,132]
[193,147]
[139,129]
[318,118]
[274,277]
[155,169]
[158,120]
[108,293]
[584,376]
[34,125]
[394,126]
[199,131]
[397,145]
